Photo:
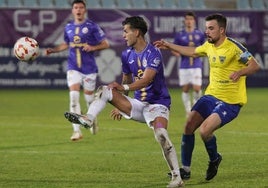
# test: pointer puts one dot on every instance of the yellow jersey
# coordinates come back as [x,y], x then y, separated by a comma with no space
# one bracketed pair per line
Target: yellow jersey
[225,59]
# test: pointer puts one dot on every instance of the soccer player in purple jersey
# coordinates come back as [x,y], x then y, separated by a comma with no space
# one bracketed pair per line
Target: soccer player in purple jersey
[190,69]
[83,37]
[142,73]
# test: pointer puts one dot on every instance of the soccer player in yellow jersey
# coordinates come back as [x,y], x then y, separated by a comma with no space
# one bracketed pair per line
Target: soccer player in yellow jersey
[230,63]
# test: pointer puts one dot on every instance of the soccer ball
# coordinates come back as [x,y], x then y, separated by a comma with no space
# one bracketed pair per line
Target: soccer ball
[26,49]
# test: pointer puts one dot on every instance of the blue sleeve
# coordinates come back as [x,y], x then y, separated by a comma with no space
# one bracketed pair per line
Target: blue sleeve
[66,37]
[155,60]
[124,60]
[98,33]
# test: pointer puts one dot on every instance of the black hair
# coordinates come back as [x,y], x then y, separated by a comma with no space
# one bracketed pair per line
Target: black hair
[222,21]
[136,22]
[190,14]
[78,1]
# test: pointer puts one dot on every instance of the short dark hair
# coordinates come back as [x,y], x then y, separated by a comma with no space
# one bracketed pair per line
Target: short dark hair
[78,1]
[222,21]
[136,22]
[190,14]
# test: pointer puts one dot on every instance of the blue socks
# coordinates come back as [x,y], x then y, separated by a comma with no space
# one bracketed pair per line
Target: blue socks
[187,147]
[211,147]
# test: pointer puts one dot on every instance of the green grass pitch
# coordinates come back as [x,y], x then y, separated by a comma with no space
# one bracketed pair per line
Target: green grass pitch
[36,152]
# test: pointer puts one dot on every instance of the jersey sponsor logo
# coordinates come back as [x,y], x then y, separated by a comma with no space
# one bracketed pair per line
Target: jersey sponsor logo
[144,62]
[85,30]
[156,62]
[222,59]
[213,59]
[77,39]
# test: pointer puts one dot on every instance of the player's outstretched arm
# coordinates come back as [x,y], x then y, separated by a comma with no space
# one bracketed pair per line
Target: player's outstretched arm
[183,50]
[101,46]
[59,48]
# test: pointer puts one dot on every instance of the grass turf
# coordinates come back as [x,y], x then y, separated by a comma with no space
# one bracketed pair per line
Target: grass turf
[35,149]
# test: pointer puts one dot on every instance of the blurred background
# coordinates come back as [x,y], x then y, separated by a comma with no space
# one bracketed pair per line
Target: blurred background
[44,20]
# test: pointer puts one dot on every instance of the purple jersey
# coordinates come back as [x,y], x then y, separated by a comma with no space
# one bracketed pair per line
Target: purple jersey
[77,36]
[136,63]
[195,38]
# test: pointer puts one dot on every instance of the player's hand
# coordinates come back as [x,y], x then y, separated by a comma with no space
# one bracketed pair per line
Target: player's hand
[49,51]
[161,44]
[117,86]
[88,48]
[235,76]
[115,114]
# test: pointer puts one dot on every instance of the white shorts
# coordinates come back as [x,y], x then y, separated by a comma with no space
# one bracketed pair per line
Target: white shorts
[87,81]
[190,76]
[146,113]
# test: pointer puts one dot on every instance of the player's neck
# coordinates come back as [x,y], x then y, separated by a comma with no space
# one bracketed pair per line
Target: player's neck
[140,45]
[79,21]
[220,41]
[189,29]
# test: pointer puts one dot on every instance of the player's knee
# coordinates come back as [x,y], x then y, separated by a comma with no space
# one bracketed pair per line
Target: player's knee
[104,93]
[188,129]
[205,135]
[191,125]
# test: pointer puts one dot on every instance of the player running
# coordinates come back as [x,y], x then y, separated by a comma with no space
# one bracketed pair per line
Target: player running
[82,37]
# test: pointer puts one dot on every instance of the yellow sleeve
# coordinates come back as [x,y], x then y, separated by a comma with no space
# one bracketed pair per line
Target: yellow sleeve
[202,50]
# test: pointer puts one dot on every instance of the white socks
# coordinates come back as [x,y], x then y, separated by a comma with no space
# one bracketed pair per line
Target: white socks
[169,152]
[96,107]
[186,99]
[103,96]
[75,107]
[89,99]
[196,96]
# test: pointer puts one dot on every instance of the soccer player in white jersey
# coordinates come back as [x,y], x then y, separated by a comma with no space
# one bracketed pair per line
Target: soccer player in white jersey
[83,37]
[143,73]
[189,68]
[230,62]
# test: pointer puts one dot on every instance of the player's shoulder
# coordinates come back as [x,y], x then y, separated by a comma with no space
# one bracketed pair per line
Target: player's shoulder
[206,44]
[236,44]
[90,23]
[181,32]
[127,52]
[205,47]
[69,23]
[151,49]
[198,31]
